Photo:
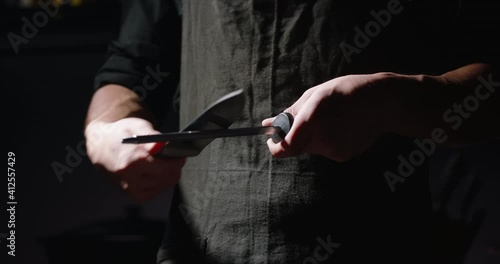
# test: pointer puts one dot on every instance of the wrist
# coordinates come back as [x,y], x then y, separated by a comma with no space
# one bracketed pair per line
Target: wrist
[112,103]
[414,103]
[400,94]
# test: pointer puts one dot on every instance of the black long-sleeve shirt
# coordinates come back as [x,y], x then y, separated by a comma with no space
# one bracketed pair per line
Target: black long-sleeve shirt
[146,55]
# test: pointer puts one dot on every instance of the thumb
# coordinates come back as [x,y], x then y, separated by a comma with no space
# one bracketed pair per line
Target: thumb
[152,148]
[301,131]
[155,148]
[268,121]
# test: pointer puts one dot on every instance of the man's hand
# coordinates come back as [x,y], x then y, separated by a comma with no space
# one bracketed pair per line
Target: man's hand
[115,112]
[338,119]
[341,118]
[133,167]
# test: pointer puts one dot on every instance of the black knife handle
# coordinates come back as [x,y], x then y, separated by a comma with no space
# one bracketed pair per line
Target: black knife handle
[283,121]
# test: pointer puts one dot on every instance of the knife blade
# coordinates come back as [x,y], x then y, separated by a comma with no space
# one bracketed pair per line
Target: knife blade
[279,128]
[203,134]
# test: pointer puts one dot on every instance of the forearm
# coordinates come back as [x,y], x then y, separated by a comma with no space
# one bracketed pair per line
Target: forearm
[463,103]
[113,102]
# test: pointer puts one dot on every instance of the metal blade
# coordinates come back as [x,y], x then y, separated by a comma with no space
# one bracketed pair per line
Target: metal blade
[202,134]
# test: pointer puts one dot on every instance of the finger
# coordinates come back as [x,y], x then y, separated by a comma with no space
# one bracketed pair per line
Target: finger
[144,194]
[151,148]
[268,121]
[326,142]
[142,187]
[159,166]
[143,151]
[282,149]
[276,149]
[156,148]
[133,183]
[295,107]
[301,132]
[295,141]
[163,172]
[139,164]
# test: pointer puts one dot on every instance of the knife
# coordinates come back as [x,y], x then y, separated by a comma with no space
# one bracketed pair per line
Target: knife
[278,130]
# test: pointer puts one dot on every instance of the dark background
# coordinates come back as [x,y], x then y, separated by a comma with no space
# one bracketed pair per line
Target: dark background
[48,86]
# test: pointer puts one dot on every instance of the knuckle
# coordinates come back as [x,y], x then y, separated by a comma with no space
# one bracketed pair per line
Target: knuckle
[276,150]
[295,146]
[292,110]
[294,150]
[276,154]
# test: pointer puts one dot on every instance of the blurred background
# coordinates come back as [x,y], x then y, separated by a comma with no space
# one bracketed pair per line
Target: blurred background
[67,211]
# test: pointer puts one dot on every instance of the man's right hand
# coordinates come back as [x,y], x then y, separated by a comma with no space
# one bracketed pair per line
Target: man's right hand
[133,167]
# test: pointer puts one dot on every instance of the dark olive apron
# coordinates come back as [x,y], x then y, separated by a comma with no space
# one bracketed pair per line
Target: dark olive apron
[235,202]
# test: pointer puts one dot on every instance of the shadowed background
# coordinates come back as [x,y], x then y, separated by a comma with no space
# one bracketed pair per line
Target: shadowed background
[49,83]
[48,86]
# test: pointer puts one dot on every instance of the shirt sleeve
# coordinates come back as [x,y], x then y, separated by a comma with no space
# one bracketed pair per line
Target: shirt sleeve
[146,56]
